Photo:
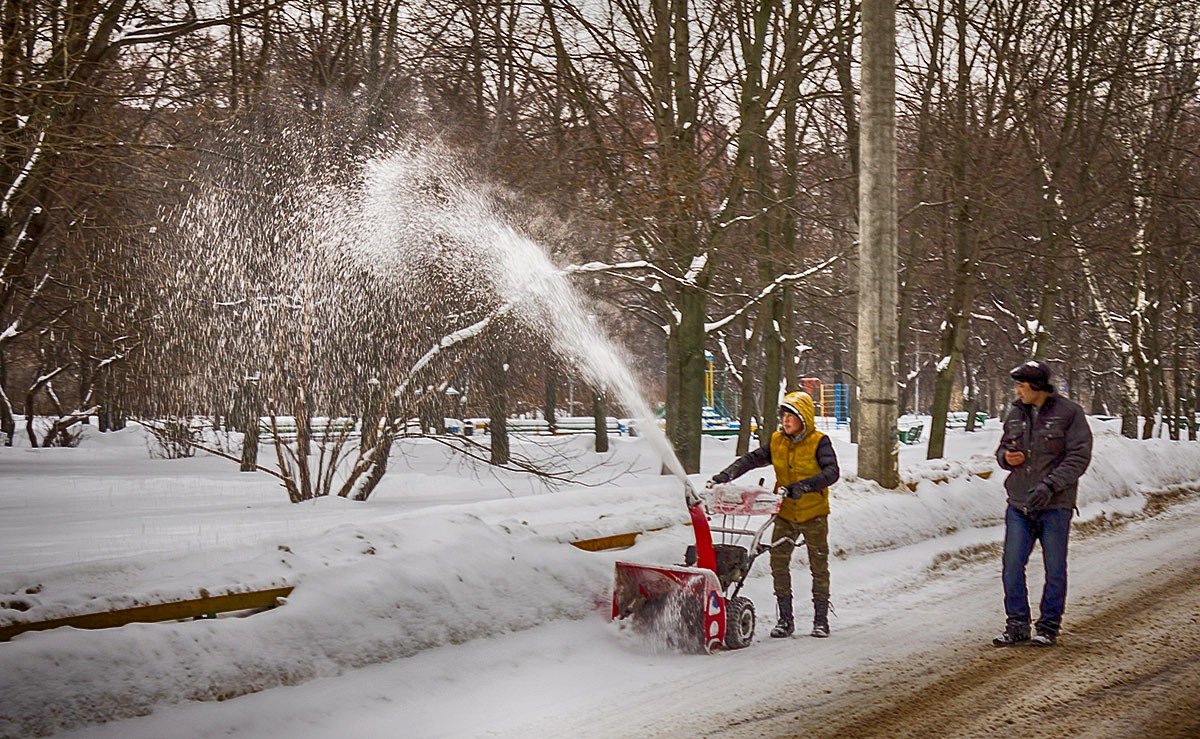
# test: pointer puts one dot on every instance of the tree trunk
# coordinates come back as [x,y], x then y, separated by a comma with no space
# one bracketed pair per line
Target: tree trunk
[1190,378]
[685,371]
[971,391]
[498,414]
[601,422]
[772,366]
[746,403]
[791,368]
[8,421]
[379,466]
[1046,307]
[1160,399]
[1140,376]
[745,415]
[370,416]
[853,280]
[1150,376]
[855,146]
[1193,389]
[750,360]
[1177,410]
[303,416]
[33,442]
[246,413]
[673,401]
[1129,396]
[904,393]
[953,342]
[955,326]
[551,401]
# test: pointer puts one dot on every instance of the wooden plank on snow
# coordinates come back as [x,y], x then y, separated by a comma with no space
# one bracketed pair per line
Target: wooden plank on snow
[616,541]
[206,606]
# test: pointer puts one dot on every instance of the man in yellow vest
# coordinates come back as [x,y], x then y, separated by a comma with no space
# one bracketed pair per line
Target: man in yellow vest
[805,466]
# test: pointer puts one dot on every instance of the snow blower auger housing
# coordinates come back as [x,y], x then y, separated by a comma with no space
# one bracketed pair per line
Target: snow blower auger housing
[696,606]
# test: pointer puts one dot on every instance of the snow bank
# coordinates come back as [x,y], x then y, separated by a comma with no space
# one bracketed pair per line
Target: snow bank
[364,594]
[956,494]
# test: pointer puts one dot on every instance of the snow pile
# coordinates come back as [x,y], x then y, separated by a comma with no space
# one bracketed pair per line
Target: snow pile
[867,518]
[364,594]
[1120,466]
[956,494]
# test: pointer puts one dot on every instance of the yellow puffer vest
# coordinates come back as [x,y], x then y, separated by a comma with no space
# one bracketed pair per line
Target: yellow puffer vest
[793,462]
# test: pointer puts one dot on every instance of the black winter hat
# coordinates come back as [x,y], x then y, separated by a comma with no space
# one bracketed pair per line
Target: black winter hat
[1037,374]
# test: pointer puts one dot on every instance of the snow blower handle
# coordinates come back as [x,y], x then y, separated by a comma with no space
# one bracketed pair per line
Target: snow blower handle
[765,547]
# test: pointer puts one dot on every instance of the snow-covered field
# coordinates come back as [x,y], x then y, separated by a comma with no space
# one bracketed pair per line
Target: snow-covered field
[453,586]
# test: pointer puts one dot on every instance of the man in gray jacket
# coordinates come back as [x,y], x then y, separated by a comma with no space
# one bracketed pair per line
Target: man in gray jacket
[1046,447]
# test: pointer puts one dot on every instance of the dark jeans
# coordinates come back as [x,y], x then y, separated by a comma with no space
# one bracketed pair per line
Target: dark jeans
[1051,528]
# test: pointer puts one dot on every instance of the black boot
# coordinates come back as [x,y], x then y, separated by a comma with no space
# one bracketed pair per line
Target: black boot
[787,623]
[820,619]
[1012,634]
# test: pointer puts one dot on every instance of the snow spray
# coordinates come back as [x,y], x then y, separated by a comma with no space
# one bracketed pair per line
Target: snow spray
[421,192]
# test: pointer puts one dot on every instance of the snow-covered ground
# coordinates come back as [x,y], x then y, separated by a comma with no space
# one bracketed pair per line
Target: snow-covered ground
[453,587]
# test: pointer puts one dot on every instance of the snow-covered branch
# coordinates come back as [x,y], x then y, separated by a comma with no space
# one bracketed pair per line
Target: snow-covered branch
[729,363]
[11,192]
[1019,322]
[768,290]
[603,267]
[132,33]
[699,262]
[450,340]
[639,265]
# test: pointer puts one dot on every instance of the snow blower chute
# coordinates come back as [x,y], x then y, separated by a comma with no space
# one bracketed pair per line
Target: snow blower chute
[695,606]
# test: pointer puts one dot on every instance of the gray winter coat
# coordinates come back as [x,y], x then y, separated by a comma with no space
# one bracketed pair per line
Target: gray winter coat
[1058,448]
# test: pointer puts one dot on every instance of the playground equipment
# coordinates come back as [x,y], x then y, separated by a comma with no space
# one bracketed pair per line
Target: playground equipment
[719,418]
[832,401]
[712,398]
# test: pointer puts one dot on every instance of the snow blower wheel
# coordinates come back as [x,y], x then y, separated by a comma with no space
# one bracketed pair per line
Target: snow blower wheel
[739,622]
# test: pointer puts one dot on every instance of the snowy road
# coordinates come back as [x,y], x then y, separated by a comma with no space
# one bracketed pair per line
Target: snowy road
[1129,664]
[910,655]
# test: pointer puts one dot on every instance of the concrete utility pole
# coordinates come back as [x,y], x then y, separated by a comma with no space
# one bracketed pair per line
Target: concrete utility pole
[878,446]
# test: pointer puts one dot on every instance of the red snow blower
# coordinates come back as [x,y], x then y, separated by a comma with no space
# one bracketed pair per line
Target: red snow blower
[695,606]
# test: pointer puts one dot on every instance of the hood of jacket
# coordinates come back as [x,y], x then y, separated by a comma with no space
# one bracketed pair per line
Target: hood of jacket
[802,405]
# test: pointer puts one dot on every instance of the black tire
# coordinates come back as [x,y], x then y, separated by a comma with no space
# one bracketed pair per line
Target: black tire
[739,622]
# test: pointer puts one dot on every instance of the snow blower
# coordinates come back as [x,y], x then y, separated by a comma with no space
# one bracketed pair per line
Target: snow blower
[696,606]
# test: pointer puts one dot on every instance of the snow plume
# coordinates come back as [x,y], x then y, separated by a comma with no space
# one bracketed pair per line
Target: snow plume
[430,213]
[259,282]
[328,271]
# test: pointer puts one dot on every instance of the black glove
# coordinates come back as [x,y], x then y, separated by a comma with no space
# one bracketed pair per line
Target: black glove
[1040,497]
[720,478]
[796,489]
